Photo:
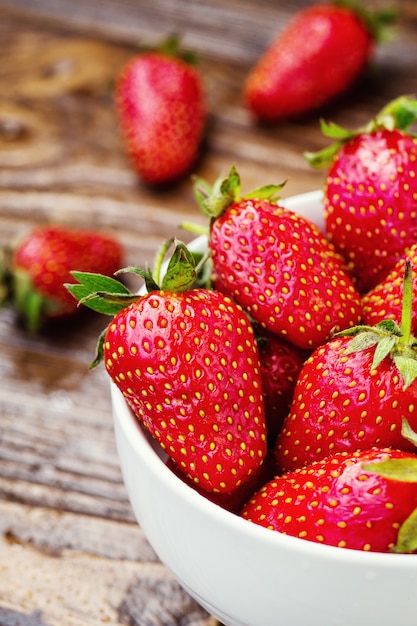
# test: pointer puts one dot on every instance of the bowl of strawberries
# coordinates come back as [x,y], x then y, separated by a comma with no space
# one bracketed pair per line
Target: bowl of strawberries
[314,543]
[264,392]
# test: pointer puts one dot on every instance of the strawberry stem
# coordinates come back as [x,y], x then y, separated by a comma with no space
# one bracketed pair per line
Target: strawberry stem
[398,114]
[193,227]
[407,304]
[214,200]
[156,274]
[377,22]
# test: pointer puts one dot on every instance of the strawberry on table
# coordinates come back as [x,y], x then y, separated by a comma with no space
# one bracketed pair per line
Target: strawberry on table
[276,264]
[370,194]
[41,262]
[161,109]
[318,55]
[355,391]
[187,362]
[342,501]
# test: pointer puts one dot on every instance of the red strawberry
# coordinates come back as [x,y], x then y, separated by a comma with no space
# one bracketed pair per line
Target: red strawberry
[41,263]
[385,300]
[342,501]
[188,365]
[370,195]
[161,109]
[276,264]
[232,502]
[281,363]
[317,56]
[353,393]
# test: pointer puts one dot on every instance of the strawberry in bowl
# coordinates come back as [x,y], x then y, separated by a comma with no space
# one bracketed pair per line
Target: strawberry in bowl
[241,572]
[370,191]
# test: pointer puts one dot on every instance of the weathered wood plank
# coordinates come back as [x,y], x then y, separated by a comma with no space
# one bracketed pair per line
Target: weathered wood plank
[72,570]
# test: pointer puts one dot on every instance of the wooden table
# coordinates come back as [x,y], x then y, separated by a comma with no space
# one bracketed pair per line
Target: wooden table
[71,552]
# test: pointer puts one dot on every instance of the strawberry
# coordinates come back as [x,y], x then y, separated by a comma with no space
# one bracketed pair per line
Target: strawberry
[187,362]
[385,300]
[276,264]
[370,194]
[281,363]
[41,262]
[343,500]
[355,391]
[232,502]
[161,109]
[318,55]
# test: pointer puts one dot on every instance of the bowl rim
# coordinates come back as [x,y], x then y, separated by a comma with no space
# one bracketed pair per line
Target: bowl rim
[140,440]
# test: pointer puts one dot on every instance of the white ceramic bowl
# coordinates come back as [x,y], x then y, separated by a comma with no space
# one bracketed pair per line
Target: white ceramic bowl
[244,574]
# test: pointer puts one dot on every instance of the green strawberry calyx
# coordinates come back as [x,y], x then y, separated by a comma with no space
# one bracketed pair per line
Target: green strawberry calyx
[32,305]
[389,339]
[171,47]
[18,290]
[109,296]
[376,22]
[402,470]
[398,114]
[213,200]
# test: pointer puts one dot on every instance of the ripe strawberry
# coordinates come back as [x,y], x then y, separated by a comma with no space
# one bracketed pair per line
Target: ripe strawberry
[385,300]
[188,365]
[41,262]
[342,501]
[161,108]
[232,502]
[353,393]
[317,56]
[370,195]
[281,363]
[276,264]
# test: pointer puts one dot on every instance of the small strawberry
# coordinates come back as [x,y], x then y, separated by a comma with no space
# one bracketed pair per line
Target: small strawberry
[276,264]
[161,109]
[342,501]
[319,54]
[281,363]
[370,195]
[187,362]
[385,300]
[354,392]
[41,262]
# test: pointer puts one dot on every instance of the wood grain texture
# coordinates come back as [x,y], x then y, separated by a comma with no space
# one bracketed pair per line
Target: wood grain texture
[71,552]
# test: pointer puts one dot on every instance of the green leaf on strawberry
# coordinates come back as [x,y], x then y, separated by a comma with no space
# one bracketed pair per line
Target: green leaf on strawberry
[388,339]
[89,283]
[402,470]
[214,200]
[395,469]
[171,46]
[407,535]
[398,114]
[109,296]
